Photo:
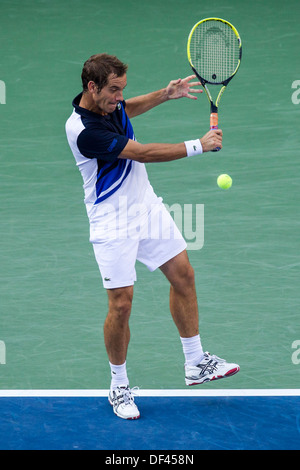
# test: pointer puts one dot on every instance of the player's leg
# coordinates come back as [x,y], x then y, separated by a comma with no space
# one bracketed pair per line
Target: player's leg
[116,259]
[199,367]
[116,337]
[116,326]
[183,297]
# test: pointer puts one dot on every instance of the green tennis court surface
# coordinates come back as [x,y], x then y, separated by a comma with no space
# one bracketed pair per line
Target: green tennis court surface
[247,272]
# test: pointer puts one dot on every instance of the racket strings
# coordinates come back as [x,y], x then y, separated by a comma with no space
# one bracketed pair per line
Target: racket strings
[215,51]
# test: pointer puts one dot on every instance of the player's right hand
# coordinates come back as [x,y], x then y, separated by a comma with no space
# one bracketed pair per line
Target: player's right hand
[211,140]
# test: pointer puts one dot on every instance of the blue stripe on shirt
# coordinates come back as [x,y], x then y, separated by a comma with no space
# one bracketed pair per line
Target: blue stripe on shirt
[110,173]
[115,176]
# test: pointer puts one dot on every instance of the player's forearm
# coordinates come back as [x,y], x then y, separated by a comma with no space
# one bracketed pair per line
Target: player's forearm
[142,104]
[146,153]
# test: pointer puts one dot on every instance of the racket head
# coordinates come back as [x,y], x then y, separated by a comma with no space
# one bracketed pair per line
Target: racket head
[214,51]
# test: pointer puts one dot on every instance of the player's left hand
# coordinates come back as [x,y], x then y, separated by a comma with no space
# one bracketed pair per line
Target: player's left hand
[182,88]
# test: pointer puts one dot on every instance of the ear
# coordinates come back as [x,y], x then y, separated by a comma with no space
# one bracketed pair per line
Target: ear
[92,88]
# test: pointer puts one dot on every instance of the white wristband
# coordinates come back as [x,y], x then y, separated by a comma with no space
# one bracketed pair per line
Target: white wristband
[193,147]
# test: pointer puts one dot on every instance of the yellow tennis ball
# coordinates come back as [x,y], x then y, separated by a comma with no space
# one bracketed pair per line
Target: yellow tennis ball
[224,181]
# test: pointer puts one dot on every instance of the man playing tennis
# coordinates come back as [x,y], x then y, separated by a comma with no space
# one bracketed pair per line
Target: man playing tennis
[128,222]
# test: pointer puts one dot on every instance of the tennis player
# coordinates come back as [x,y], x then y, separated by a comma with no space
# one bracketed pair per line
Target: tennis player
[129,222]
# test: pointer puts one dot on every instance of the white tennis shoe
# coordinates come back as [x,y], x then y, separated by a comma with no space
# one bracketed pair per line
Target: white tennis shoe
[122,402]
[210,368]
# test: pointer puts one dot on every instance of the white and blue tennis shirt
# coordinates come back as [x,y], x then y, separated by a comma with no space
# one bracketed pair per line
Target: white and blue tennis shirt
[96,142]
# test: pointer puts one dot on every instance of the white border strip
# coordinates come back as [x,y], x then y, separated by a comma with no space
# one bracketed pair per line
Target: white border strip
[156,393]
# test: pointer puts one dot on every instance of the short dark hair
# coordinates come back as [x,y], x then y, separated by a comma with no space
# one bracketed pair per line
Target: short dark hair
[98,68]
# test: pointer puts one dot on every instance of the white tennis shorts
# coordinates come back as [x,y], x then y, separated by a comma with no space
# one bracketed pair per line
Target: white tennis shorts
[151,238]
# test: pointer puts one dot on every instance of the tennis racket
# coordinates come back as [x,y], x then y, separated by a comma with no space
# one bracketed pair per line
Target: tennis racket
[214,52]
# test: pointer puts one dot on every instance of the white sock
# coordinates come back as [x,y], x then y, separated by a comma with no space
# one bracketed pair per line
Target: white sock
[118,376]
[192,350]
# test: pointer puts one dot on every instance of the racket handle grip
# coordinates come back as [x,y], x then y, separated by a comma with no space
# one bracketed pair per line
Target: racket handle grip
[214,125]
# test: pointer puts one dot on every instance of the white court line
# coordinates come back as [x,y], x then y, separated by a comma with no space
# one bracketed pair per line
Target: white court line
[156,393]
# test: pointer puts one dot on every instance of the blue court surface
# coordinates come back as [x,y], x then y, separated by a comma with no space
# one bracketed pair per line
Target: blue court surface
[166,423]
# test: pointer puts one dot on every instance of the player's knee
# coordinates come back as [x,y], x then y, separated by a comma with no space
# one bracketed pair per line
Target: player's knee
[185,278]
[189,275]
[120,304]
[123,308]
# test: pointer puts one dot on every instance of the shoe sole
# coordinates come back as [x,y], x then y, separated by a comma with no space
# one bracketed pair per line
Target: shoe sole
[211,378]
[120,416]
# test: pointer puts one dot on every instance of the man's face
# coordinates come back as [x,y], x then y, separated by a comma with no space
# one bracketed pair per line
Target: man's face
[111,94]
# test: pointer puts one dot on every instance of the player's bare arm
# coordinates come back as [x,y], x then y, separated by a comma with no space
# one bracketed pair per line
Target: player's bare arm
[176,89]
[156,152]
